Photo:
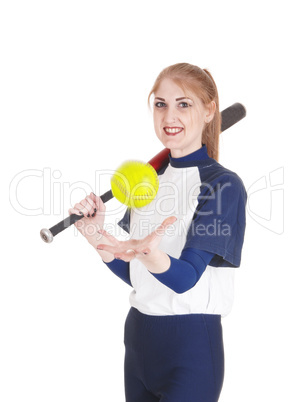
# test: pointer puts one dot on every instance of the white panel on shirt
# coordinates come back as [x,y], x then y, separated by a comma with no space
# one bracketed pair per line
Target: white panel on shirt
[213,293]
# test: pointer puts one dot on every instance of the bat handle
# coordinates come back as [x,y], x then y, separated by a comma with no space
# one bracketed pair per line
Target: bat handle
[47,235]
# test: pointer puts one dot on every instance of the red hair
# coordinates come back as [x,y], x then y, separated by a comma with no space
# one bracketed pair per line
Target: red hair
[199,81]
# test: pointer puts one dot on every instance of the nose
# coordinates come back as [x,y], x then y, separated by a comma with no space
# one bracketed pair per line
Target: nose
[170,115]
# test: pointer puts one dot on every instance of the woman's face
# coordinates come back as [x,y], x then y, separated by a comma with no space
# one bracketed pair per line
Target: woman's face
[179,118]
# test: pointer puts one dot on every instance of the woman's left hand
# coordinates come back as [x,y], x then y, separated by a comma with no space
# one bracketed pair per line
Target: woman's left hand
[130,249]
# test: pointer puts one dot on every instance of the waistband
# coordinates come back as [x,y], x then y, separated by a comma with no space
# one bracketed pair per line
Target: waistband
[167,319]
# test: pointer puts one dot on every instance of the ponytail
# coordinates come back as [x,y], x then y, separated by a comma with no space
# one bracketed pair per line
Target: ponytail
[211,131]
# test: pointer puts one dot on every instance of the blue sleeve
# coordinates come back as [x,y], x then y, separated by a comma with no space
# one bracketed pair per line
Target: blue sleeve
[121,269]
[185,272]
[218,224]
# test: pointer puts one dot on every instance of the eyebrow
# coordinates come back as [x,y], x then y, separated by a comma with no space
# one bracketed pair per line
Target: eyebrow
[177,99]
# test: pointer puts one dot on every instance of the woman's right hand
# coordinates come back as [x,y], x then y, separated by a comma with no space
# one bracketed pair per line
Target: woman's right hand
[93,210]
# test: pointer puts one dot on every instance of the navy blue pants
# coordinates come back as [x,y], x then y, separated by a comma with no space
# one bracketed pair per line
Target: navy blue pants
[176,358]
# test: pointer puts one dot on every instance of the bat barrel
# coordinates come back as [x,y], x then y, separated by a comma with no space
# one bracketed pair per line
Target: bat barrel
[232,115]
[160,160]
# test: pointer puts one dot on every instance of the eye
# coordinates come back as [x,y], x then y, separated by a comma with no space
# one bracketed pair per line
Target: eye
[184,104]
[160,104]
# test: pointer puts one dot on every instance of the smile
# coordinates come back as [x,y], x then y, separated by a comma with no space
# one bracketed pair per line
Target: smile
[172,130]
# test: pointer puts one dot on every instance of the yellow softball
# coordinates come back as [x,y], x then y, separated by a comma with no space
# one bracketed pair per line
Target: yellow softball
[135,184]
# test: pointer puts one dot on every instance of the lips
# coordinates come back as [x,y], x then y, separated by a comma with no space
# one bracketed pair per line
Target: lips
[172,130]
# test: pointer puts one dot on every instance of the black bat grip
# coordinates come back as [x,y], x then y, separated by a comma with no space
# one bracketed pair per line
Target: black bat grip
[48,234]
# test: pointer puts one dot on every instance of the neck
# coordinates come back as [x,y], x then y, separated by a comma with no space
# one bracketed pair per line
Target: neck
[180,153]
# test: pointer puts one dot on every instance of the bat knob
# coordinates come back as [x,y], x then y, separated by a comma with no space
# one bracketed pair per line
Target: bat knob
[46,235]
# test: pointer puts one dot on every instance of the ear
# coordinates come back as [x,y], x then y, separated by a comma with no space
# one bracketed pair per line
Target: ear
[210,112]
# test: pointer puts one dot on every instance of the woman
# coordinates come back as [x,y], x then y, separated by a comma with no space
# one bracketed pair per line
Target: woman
[181,249]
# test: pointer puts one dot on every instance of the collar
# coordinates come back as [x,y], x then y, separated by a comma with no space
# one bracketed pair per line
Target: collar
[197,158]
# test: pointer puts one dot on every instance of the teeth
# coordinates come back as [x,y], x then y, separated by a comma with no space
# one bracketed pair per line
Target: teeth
[172,130]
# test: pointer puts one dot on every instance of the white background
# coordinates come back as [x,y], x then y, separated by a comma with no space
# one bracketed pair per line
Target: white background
[75,77]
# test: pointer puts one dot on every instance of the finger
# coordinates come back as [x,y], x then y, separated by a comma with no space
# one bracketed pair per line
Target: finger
[159,231]
[98,201]
[108,248]
[74,211]
[127,256]
[77,208]
[89,200]
[142,251]
[86,208]
[111,238]
[92,204]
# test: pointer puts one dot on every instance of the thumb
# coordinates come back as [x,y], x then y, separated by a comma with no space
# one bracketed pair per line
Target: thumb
[168,221]
[164,225]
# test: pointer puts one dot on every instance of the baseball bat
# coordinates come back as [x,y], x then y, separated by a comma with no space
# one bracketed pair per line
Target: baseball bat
[229,117]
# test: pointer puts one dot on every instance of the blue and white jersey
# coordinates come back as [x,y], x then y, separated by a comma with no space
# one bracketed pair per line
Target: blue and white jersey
[208,201]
